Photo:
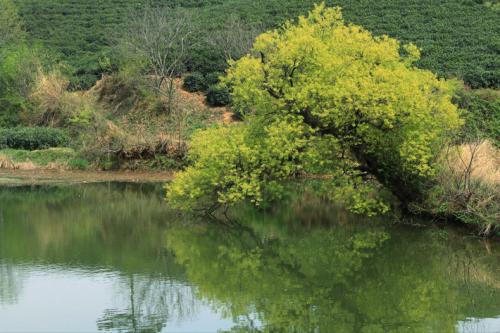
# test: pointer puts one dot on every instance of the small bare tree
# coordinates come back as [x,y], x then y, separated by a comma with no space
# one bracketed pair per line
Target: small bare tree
[236,37]
[160,37]
[469,182]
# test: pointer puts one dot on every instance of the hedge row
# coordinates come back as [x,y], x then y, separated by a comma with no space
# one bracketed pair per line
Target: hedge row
[32,138]
[458,38]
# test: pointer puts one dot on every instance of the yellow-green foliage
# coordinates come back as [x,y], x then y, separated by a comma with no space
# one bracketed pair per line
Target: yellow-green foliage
[233,163]
[351,84]
[336,84]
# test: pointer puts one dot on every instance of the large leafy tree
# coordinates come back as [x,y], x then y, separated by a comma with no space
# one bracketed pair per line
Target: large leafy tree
[323,96]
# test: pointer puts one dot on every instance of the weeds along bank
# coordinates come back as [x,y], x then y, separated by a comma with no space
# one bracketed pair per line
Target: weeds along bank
[115,125]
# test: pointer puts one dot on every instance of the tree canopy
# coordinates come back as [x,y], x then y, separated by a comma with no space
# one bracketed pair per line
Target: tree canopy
[322,96]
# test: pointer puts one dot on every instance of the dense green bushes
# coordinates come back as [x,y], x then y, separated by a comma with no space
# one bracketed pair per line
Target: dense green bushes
[457,37]
[195,82]
[482,114]
[18,70]
[32,138]
[10,25]
[218,95]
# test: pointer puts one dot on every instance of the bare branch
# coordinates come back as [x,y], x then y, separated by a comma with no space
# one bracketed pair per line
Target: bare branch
[235,38]
[161,38]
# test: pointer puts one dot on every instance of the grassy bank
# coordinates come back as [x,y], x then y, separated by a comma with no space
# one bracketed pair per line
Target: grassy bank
[52,158]
[65,177]
[117,124]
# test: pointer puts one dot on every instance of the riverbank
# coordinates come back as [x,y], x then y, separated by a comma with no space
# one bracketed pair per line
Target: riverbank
[47,177]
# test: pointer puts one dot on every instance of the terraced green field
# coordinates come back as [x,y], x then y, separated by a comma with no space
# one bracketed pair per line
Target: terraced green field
[458,38]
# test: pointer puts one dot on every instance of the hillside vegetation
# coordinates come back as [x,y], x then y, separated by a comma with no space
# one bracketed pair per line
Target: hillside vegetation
[458,38]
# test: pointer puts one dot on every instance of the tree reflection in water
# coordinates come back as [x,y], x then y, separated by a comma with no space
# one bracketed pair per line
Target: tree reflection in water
[305,266]
[348,276]
[153,301]
[11,283]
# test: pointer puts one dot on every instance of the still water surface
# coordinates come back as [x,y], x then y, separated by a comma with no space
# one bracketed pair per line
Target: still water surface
[113,258]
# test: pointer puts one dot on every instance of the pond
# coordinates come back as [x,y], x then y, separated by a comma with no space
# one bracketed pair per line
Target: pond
[113,258]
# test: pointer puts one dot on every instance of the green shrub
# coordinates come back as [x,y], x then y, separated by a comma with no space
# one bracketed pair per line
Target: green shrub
[162,162]
[19,66]
[482,114]
[78,163]
[205,58]
[213,78]
[107,163]
[218,96]
[10,109]
[44,157]
[194,82]
[33,138]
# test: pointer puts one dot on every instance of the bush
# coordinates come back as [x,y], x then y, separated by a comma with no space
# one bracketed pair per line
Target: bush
[482,114]
[47,95]
[52,157]
[78,164]
[213,78]
[194,82]
[19,66]
[218,96]
[467,186]
[32,138]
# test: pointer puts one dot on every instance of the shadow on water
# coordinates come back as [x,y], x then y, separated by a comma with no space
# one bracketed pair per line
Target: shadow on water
[132,265]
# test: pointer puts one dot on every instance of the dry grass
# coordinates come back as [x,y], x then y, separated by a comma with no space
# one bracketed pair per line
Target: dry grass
[48,93]
[55,106]
[469,185]
[482,158]
[49,89]
[141,127]
[6,163]
[46,159]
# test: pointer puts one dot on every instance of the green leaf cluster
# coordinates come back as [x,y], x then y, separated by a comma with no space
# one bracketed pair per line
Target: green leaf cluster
[234,163]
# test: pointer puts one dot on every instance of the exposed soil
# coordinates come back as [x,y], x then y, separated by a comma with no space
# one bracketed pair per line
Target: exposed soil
[41,177]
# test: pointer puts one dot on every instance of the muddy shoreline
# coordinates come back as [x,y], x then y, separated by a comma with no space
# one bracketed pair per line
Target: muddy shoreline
[47,177]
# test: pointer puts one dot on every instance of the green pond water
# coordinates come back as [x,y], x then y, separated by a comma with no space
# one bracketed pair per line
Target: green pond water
[114,258]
